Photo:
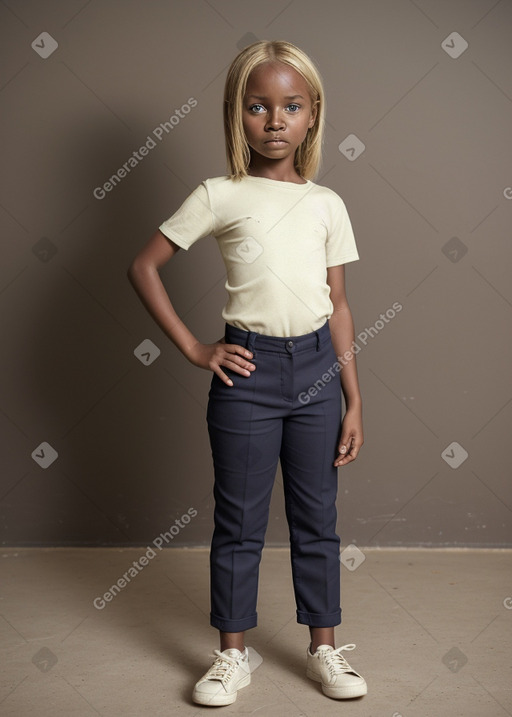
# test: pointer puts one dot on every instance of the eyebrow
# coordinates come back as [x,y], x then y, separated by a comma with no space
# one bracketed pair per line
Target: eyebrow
[288,97]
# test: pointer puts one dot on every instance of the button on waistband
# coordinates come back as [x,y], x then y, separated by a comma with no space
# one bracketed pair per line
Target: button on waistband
[291,346]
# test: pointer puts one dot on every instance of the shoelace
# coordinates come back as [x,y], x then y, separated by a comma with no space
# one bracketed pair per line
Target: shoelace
[335,660]
[222,668]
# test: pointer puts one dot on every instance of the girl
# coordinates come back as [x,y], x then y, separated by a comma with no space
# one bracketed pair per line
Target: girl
[275,389]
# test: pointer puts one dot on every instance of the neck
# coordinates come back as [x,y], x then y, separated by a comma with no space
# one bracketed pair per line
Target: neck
[280,171]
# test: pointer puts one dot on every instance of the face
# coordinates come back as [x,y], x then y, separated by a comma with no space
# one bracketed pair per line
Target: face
[277,112]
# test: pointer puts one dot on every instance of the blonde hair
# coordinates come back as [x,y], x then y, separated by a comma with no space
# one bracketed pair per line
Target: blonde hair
[308,155]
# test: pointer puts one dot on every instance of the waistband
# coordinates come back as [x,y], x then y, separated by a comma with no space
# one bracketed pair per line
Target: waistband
[289,344]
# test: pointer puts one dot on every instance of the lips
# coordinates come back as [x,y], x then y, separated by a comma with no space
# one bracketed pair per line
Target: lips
[277,140]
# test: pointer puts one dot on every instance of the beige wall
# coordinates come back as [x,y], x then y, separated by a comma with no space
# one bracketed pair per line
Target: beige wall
[431,211]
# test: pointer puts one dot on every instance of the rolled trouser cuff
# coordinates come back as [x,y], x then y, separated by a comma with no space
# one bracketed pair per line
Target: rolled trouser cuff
[319,620]
[227,625]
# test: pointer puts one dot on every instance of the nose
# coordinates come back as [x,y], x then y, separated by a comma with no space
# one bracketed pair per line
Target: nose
[275,121]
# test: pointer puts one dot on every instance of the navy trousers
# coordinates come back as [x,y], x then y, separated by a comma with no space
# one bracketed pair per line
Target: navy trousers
[288,409]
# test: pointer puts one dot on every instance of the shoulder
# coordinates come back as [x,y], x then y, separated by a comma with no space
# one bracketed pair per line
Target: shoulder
[328,195]
[208,188]
[216,181]
[224,191]
[219,184]
[329,201]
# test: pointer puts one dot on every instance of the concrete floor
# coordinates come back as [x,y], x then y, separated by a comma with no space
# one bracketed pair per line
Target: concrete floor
[432,629]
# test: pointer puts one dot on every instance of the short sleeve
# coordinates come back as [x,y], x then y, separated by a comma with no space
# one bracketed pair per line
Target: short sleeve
[192,221]
[341,244]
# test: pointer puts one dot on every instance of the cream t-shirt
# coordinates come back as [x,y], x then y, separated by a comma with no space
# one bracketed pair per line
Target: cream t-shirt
[277,240]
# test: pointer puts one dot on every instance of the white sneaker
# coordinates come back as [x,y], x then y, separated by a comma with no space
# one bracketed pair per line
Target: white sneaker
[338,679]
[229,672]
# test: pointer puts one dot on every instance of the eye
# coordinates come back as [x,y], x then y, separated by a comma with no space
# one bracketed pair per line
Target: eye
[294,107]
[257,108]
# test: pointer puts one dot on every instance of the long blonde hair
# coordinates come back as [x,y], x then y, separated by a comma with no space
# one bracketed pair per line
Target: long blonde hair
[309,154]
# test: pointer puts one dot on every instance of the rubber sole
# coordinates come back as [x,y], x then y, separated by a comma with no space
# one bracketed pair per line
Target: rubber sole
[339,693]
[220,699]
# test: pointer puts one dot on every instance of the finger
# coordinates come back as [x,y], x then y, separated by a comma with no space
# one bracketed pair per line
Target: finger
[342,452]
[345,445]
[343,460]
[223,377]
[231,358]
[348,450]
[235,362]
[357,442]
[237,349]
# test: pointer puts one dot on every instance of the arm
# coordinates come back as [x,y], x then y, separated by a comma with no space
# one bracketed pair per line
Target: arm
[145,279]
[342,334]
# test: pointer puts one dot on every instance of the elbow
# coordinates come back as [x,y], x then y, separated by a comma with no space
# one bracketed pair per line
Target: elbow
[140,272]
[130,272]
[134,271]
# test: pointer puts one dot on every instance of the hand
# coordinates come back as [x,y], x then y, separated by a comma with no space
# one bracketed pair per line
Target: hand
[351,437]
[213,356]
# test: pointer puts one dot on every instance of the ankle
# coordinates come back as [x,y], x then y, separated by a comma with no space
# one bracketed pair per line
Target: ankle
[313,647]
[240,648]
[231,640]
[321,636]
